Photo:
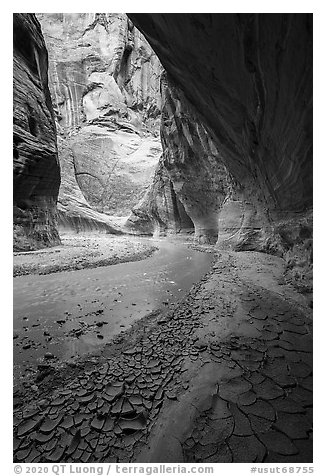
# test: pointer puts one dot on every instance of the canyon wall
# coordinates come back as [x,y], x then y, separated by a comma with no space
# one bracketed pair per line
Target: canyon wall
[159,212]
[249,77]
[236,128]
[191,182]
[35,158]
[104,81]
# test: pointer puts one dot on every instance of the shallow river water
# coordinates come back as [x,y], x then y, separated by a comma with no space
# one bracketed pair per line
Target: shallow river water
[93,305]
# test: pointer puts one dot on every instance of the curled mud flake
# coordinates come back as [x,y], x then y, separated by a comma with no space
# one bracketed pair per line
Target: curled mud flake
[241,423]
[22,455]
[29,425]
[231,389]
[49,425]
[247,398]
[113,391]
[302,396]
[43,437]
[259,425]
[299,369]
[247,449]
[278,442]
[294,425]
[76,439]
[268,390]
[97,423]
[260,408]
[223,454]
[221,429]
[219,408]
[56,455]
[134,424]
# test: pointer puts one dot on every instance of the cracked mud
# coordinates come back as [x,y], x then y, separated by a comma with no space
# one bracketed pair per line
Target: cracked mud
[225,376]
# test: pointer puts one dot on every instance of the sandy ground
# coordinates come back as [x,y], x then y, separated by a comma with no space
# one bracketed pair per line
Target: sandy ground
[224,376]
[81,251]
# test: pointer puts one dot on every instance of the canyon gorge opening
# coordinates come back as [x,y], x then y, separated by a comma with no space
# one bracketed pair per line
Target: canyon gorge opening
[162,237]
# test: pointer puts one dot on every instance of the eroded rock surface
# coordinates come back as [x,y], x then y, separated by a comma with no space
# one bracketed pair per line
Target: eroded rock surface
[36,167]
[160,210]
[191,183]
[249,76]
[112,168]
[104,80]
[100,66]
[193,163]
[74,211]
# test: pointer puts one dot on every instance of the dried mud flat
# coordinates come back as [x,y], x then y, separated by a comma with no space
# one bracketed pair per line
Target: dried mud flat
[80,252]
[224,376]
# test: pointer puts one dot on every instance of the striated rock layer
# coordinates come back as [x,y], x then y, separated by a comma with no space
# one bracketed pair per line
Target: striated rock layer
[100,66]
[112,168]
[160,210]
[104,81]
[74,212]
[249,77]
[36,167]
[194,165]
[191,182]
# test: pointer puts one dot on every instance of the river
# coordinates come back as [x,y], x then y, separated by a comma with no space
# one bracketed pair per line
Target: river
[93,305]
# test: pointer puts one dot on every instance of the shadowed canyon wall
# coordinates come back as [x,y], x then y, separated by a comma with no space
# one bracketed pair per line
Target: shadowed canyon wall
[249,77]
[191,182]
[104,81]
[36,167]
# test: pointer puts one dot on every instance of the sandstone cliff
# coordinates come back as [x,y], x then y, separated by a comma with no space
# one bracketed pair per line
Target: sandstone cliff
[249,77]
[104,81]
[191,183]
[36,167]
[159,211]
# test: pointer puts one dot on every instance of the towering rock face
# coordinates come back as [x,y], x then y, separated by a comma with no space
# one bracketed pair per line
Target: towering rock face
[74,212]
[193,163]
[249,77]
[191,182]
[104,80]
[100,67]
[36,167]
[160,211]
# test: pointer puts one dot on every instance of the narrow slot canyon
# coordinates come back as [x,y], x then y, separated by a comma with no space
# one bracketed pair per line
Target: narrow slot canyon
[162,238]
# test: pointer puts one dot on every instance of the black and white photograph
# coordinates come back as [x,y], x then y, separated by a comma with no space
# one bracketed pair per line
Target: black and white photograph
[162,240]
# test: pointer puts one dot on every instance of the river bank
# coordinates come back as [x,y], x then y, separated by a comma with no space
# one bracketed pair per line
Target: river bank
[70,313]
[81,251]
[224,375]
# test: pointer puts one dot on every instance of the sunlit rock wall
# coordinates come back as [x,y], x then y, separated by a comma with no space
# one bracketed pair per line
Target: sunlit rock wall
[100,66]
[74,212]
[36,167]
[104,81]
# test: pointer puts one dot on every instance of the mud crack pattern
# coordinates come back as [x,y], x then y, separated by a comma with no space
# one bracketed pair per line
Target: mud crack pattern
[260,410]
